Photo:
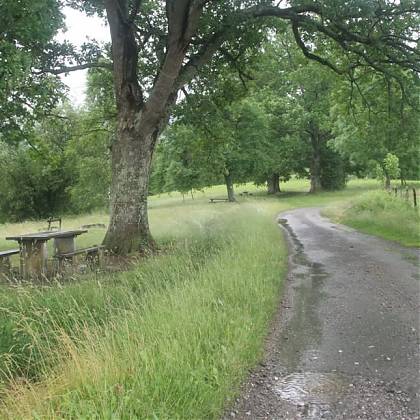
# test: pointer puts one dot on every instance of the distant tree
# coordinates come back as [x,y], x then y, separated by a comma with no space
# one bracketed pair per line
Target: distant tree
[227,145]
[184,171]
[388,169]
[299,109]
[374,118]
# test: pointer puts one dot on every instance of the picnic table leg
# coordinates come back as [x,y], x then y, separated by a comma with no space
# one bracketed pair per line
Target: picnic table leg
[35,257]
[21,259]
[5,265]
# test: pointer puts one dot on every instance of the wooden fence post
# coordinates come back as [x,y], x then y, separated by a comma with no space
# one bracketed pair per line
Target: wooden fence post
[414,197]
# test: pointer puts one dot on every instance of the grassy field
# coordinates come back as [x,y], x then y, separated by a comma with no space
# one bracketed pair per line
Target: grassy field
[380,213]
[171,214]
[171,338]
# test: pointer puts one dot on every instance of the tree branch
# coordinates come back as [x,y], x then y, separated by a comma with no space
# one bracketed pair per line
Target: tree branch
[69,69]
[308,54]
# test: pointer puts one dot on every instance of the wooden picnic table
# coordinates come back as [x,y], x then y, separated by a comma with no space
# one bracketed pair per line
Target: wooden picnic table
[33,249]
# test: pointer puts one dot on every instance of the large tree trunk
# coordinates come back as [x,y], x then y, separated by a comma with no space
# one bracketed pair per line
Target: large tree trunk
[129,226]
[273,184]
[315,167]
[315,175]
[229,186]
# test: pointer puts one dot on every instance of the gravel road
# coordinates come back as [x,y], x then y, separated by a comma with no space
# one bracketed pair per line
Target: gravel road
[345,341]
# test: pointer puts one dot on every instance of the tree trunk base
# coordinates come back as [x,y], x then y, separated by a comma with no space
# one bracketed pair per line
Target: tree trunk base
[124,242]
[273,184]
[229,188]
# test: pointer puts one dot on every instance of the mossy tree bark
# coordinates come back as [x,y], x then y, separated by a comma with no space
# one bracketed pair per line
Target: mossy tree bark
[273,184]
[229,186]
[317,140]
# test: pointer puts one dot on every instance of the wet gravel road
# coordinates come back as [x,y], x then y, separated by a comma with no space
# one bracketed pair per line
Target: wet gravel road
[345,342]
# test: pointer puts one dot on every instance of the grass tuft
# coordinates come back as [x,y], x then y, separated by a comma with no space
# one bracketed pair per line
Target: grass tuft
[380,213]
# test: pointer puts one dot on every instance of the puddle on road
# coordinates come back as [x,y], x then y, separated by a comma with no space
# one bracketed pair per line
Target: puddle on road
[312,392]
[303,330]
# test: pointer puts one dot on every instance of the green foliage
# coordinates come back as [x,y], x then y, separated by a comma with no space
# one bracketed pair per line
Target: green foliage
[333,170]
[375,118]
[388,169]
[27,30]
[391,166]
[31,186]
[183,168]
[88,155]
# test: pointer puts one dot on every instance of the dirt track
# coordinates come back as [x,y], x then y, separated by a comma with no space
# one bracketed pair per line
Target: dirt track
[345,343]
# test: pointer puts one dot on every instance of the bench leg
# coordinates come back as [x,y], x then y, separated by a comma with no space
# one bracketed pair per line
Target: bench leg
[63,263]
[101,258]
[5,265]
[93,259]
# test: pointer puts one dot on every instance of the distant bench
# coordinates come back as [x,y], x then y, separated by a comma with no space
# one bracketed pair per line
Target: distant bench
[5,258]
[215,200]
[52,220]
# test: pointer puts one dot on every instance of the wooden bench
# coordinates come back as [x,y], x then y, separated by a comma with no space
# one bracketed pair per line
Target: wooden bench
[93,254]
[5,259]
[215,200]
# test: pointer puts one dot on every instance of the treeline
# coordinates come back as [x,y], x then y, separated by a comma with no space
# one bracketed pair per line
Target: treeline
[263,118]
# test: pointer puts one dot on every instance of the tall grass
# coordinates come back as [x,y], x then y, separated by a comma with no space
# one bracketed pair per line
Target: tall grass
[170,339]
[380,213]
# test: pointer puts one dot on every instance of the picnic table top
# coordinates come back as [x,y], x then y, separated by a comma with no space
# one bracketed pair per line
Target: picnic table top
[45,236]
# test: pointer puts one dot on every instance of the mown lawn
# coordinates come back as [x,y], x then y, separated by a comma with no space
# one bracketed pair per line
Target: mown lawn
[171,338]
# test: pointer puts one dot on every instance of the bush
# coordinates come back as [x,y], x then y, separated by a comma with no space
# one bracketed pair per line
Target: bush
[30,186]
[333,173]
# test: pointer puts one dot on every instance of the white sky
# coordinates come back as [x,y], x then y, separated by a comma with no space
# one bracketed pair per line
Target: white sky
[80,28]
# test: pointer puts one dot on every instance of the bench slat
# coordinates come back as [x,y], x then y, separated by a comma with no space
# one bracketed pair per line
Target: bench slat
[9,252]
[80,251]
[218,199]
